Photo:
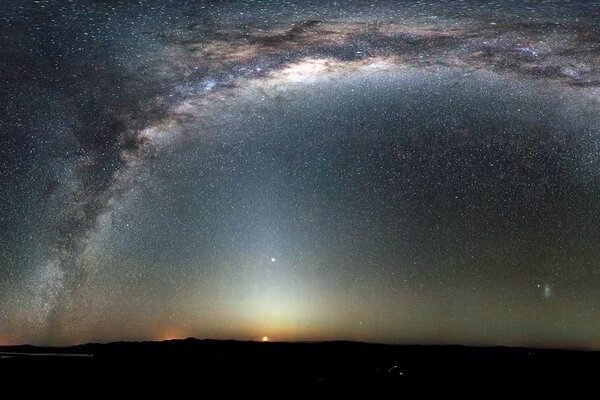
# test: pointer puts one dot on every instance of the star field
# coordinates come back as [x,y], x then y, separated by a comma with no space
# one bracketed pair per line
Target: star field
[399,172]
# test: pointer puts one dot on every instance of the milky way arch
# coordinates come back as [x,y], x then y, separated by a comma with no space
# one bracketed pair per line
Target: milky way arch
[104,99]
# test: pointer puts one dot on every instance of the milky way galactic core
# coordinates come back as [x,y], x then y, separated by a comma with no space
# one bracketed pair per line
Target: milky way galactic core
[385,171]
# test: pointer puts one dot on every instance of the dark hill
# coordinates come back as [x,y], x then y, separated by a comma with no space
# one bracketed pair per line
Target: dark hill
[231,365]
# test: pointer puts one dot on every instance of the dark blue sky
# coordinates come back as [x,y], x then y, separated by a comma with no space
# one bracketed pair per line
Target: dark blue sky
[403,172]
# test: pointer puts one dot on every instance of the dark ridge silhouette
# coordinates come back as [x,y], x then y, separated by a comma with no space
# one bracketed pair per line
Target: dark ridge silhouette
[230,365]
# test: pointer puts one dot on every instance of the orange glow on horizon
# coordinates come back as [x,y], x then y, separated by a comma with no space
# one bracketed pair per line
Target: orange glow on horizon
[265,339]
[170,335]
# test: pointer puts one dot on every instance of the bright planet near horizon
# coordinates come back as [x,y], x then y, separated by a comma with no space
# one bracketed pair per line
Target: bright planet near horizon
[413,172]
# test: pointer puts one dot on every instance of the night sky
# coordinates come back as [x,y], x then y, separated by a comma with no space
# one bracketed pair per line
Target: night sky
[383,171]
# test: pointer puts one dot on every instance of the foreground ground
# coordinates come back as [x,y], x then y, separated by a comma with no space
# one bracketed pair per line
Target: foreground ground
[231,365]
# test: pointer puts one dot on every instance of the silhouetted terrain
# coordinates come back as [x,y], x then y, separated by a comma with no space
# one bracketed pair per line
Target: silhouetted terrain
[232,365]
